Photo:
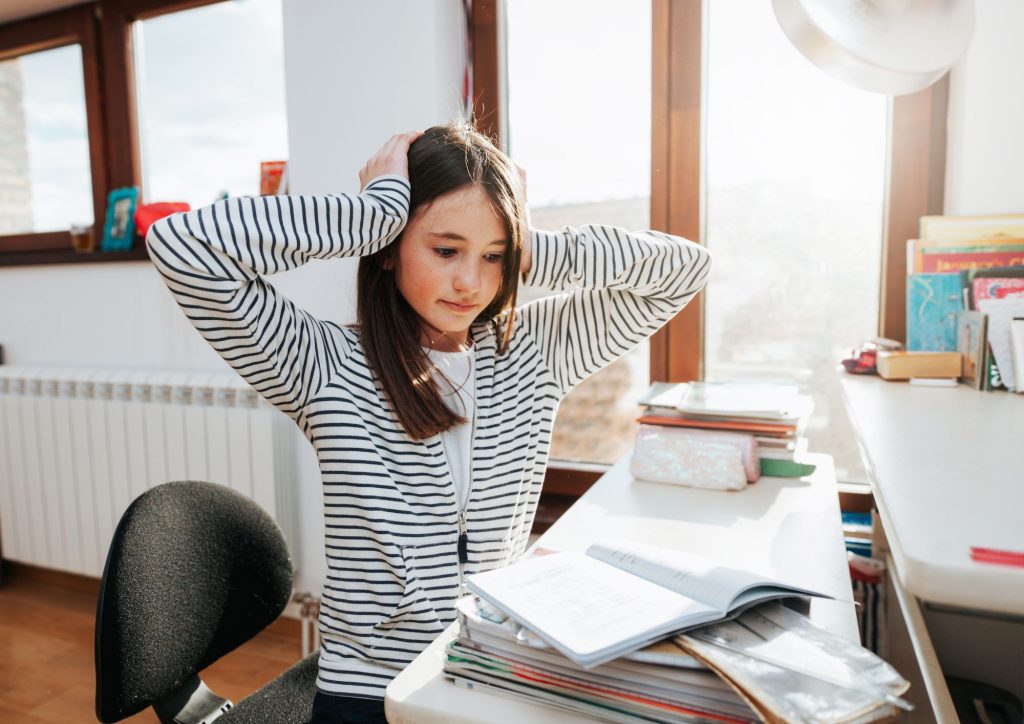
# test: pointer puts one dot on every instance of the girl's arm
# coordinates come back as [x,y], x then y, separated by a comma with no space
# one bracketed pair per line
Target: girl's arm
[620,287]
[212,258]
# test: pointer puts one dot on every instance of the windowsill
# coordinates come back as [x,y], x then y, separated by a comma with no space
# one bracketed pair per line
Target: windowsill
[67,256]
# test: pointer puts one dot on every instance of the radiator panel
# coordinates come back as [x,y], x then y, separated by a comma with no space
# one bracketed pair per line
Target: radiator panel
[77,446]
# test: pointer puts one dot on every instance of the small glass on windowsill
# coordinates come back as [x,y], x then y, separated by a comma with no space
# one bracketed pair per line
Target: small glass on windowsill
[82,239]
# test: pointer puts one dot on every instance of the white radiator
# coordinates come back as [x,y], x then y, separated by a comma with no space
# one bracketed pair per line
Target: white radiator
[77,446]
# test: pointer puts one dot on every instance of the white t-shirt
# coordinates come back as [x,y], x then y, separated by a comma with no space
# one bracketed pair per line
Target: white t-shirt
[457,367]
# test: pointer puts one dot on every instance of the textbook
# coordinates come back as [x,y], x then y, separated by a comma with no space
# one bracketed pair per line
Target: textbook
[620,596]
[658,683]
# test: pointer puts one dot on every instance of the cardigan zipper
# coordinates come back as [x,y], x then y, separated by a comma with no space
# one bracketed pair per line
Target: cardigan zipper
[463,540]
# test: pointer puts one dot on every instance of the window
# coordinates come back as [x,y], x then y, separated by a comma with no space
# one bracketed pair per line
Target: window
[210,102]
[795,165]
[586,147]
[86,122]
[45,184]
[52,163]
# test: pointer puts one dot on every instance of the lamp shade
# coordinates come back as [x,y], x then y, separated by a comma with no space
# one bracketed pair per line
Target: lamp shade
[887,46]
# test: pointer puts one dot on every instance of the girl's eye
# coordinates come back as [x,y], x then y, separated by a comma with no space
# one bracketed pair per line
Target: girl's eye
[444,252]
[495,258]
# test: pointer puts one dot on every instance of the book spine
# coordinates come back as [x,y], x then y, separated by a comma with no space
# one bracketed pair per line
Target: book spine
[944,263]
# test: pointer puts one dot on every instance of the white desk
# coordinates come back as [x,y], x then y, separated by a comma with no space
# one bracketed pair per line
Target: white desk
[947,473]
[788,528]
[947,469]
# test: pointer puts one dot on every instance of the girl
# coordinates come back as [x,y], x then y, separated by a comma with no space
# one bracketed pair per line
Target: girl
[431,416]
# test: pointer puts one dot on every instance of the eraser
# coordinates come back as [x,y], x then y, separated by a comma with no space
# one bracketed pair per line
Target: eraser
[934,381]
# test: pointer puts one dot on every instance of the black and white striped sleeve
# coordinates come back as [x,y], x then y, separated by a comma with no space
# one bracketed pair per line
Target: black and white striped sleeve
[212,258]
[619,288]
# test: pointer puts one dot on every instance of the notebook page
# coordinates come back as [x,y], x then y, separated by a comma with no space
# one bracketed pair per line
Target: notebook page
[582,606]
[685,573]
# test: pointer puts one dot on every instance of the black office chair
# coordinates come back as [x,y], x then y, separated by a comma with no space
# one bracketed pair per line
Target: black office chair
[194,571]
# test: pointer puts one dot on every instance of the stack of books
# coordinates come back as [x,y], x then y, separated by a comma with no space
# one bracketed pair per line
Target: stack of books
[965,288]
[657,683]
[628,632]
[775,414]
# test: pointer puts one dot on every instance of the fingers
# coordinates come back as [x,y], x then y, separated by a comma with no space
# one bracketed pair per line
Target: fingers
[392,158]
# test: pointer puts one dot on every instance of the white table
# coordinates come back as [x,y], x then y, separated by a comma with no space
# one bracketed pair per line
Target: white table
[947,473]
[787,528]
[947,470]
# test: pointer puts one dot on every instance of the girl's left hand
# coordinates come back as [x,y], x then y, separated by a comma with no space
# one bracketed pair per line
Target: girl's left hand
[526,256]
[392,158]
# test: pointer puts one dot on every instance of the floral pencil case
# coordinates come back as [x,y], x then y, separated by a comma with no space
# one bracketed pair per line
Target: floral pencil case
[696,458]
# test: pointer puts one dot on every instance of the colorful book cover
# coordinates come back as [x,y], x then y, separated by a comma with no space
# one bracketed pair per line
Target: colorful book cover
[993,380]
[971,342]
[933,301]
[971,227]
[917,248]
[944,263]
[997,288]
[967,277]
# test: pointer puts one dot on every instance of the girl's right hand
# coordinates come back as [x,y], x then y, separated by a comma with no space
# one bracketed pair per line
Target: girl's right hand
[392,158]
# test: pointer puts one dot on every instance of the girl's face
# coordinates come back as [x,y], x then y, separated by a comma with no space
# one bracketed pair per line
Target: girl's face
[449,264]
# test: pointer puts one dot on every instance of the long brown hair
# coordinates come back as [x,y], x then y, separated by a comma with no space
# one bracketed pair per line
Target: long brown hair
[444,159]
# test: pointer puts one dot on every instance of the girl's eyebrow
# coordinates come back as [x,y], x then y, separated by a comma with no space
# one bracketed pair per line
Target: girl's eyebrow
[452,236]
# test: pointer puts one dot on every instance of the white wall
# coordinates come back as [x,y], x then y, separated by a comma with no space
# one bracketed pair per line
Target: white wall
[985,148]
[356,73]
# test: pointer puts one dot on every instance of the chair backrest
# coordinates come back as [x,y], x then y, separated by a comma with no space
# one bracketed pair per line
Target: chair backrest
[194,570]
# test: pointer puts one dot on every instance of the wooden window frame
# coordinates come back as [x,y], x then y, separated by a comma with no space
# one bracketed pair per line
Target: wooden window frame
[103,29]
[77,25]
[915,178]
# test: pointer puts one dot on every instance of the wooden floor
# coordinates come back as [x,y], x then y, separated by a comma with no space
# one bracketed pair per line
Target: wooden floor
[47,671]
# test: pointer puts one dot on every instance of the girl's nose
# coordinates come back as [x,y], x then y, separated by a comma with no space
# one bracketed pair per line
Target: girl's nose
[467,277]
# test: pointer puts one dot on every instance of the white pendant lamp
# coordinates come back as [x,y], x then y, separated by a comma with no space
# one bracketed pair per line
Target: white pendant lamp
[887,46]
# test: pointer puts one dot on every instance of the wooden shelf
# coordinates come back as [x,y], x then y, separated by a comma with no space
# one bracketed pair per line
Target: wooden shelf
[67,256]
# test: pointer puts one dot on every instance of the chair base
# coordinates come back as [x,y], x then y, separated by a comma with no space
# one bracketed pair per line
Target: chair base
[193,703]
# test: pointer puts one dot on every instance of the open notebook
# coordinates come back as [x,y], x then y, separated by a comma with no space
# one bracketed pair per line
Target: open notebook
[620,596]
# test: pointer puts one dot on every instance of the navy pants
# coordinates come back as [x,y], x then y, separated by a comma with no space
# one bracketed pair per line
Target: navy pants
[328,709]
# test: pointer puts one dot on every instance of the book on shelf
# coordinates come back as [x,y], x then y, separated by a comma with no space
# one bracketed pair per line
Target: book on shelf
[980,258]
[926,256]
[997,287]
[971,343]
[933,301]
[905,365]
[966,227]
[1001,313]
[620,596]
[1017,351]
[1006,274]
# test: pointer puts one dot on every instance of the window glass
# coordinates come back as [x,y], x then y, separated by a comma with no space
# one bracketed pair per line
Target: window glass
[210,99]
[579,116]
[45,172]
[795,182]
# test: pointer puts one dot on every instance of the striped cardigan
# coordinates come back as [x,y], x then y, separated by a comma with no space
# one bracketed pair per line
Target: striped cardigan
[391,519]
